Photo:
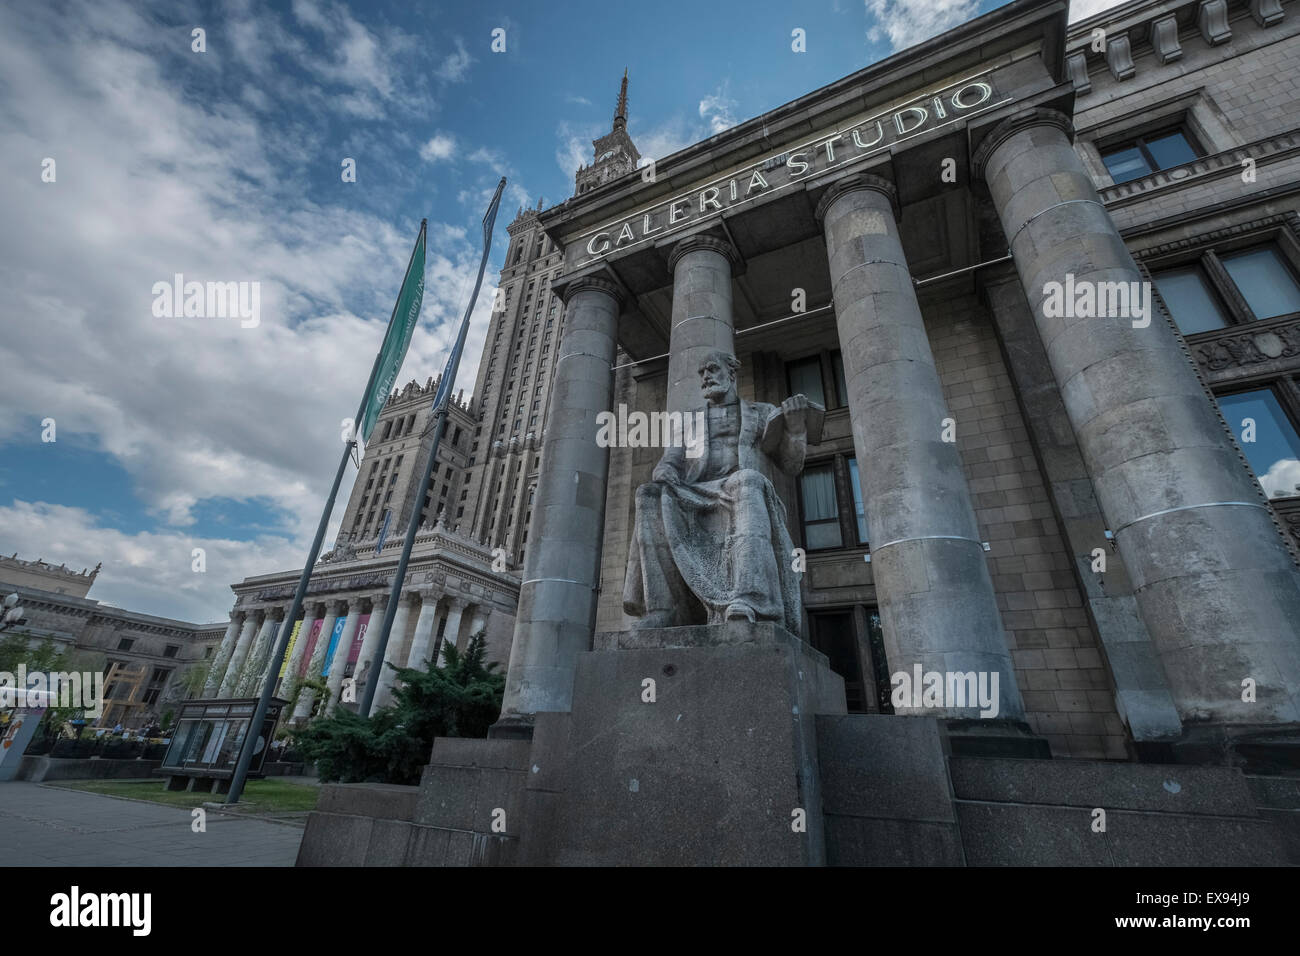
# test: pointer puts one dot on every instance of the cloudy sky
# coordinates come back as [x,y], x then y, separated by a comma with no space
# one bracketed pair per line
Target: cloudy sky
[225,165]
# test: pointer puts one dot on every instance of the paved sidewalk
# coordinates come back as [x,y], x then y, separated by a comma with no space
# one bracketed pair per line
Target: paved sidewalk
[53,826]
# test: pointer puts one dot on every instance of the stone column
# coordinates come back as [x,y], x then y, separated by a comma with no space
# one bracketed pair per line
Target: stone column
[254,668]
[339,663]
[418,657]
[392,655]
[309,615]
[935,593]
[378,606]
[702,320]
[223,655]
[455,611]
[268,660]
[302,708]
[1215,585]
[557,599]
[230,682]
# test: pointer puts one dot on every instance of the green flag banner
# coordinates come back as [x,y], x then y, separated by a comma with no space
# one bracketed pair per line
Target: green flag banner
[400,328]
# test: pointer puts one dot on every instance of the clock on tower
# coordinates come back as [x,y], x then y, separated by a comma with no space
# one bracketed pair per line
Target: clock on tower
[616,154]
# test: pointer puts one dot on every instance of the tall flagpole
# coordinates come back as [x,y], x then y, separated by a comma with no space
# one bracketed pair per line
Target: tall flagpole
[439,426]
[282,643]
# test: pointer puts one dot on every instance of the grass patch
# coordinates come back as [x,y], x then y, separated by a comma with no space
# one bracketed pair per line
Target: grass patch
[269,796]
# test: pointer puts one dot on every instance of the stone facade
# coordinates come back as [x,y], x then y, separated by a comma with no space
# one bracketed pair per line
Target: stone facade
[1066,500]
[1047,485]
[142,657]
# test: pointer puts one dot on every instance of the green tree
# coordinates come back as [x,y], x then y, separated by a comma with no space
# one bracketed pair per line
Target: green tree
[460,699]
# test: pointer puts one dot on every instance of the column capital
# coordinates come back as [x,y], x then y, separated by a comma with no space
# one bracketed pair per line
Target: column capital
[853,183]
[593,284]
[703,240]
[999,134]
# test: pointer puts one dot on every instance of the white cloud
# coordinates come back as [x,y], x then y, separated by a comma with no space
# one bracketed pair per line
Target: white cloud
[575,148]
[580,100]
[149,573]
[718,110]
[1083,9]
[456,66]
[441,146]
[905,23]
[152,182]
[1282,478]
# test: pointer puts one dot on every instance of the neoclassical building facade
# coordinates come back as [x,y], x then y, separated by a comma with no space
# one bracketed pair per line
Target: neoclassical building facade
[1068,495]
[455,587]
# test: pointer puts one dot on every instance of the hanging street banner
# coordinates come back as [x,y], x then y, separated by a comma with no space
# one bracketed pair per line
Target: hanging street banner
[400,329]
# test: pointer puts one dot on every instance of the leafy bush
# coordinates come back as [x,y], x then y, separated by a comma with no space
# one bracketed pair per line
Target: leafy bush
[460,699]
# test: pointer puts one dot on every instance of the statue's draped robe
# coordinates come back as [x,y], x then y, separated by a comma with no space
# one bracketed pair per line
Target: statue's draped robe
[717,539]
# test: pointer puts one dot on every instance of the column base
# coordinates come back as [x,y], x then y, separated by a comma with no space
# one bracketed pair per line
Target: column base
[512,727]
[993,738]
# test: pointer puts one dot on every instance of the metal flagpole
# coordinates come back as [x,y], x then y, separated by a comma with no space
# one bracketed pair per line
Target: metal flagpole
[440,425]
[282,643]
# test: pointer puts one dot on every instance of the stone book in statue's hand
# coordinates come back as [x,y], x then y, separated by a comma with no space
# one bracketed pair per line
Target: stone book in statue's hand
[778,429]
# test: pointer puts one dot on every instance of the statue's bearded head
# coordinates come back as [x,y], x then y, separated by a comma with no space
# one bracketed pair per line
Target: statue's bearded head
[718,377]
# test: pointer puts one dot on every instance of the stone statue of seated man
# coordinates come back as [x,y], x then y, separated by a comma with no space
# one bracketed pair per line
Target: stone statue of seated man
[710,542]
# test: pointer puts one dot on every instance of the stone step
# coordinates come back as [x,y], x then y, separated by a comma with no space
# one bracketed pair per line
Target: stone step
[1152,788]
[1007,834]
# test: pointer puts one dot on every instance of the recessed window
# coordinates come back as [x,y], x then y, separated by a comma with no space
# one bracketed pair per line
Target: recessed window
[841,387]
[821,516]
[1147,154]
[859,511]
[1274,453]
[1265,280]
[125,643]
[1190,299]
[171,650]
[805,377]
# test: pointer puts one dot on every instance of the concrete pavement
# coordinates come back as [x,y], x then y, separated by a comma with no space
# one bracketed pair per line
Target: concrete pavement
[53,826]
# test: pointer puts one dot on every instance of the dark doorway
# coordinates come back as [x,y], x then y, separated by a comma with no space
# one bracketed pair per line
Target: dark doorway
[832,634]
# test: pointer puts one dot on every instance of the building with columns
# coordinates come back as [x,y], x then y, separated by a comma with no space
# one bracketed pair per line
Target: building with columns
[887,245]
[143,657]
[456,586]
[1045,281]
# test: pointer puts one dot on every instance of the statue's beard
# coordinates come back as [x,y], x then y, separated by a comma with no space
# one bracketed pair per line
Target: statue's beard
[717,391]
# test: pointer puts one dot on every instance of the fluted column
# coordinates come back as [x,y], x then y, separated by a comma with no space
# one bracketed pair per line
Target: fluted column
[339,662]
[250,684]
[933,585]
[378,605]
[393,655]
[224,652]
[557,598]
[317,663]
[299,647]
[450,633]
[418,657]
[702,320]
[1215,585]
[230,682]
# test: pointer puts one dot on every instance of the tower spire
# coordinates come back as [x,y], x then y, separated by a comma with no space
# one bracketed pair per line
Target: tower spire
[620,113]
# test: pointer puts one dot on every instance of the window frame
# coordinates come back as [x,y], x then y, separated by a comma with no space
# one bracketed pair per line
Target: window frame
[1116,144]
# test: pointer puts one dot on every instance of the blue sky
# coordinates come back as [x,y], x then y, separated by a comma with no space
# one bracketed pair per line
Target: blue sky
[224,165]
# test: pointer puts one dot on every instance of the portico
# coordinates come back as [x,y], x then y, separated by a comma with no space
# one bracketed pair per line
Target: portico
[860,232]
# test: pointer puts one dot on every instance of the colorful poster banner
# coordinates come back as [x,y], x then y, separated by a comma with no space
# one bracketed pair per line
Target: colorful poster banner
[334,642]
[307,653]
[288,651]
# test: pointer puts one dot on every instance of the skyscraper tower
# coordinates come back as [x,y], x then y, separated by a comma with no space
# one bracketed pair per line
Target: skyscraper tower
[515,372]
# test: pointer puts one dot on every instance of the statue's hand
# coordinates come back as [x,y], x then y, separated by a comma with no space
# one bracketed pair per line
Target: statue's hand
[666,473]
[795,410]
